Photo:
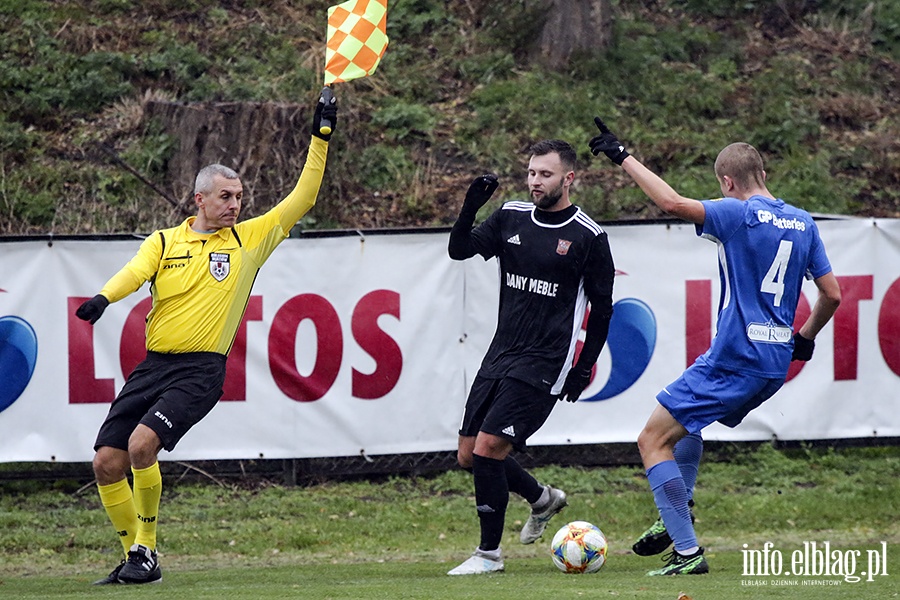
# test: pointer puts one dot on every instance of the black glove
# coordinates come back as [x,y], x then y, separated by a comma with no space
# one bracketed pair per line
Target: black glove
[326,110]
[803,348]
[576,381]
[608,144]
[480,191]
[92,309]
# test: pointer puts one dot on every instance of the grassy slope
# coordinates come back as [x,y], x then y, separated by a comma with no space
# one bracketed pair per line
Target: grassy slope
[456,95]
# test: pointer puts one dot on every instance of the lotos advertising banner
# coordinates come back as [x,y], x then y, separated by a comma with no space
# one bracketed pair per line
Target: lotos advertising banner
[368,343]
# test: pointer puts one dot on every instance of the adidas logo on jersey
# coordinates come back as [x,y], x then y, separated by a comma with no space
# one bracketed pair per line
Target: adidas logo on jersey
[510,431]
[514,240]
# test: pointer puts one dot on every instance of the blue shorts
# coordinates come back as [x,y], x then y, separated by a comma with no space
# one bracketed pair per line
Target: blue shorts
[704,394]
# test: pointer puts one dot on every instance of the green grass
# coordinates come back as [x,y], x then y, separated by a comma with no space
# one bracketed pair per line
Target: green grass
[397,537]
[622,577]
[535,577]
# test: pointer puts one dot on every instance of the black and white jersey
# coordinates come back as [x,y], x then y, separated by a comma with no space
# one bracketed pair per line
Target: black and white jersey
[551,264]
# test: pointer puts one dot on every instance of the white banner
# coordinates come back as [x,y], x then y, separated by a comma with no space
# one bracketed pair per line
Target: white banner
[368,344]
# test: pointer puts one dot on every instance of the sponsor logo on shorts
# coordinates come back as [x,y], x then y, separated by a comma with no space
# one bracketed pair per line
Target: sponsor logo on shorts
[164,419]
[511,431]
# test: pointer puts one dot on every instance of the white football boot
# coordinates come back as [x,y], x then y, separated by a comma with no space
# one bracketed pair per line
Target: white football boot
[480,562]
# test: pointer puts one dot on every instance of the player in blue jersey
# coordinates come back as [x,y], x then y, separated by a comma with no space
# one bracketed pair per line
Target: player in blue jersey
[553,259]
[766,248]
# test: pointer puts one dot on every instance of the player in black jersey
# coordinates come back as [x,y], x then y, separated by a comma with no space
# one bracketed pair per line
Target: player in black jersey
[553,260]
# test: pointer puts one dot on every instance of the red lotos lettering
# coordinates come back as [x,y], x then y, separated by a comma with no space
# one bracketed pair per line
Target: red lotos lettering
[846,325]
[329,347]
[800,317]
[133,345]
[235,387]
[698,318]
[378,344]
[84,387]
[889,327]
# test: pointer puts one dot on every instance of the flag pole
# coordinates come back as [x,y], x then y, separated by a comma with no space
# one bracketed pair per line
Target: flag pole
[327,98]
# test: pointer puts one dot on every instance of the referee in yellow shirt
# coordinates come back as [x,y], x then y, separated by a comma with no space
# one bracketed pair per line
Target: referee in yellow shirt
[200,273]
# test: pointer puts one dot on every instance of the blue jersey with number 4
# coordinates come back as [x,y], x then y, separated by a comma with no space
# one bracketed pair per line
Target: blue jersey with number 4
[766,248]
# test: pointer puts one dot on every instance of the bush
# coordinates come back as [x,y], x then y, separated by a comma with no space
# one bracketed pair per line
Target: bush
[457,94]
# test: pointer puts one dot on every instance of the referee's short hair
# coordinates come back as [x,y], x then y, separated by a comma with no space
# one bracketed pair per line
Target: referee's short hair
[204,181]
[566,152]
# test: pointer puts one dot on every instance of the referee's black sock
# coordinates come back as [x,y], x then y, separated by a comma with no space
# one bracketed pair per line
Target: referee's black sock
[521,482]
[491,498]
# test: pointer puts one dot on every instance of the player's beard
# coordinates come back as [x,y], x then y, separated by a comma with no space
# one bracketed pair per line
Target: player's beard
[550,198]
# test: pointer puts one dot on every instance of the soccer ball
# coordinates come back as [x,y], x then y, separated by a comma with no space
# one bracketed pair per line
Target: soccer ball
[579,547]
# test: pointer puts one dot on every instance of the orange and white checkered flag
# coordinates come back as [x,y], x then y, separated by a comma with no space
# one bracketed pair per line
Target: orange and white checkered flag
[356,40]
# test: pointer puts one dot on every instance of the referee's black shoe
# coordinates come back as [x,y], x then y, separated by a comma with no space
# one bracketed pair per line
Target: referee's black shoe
[141,566]
[113,577]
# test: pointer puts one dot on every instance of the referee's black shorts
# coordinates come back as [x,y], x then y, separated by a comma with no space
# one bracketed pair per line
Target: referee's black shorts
[169,393]
[508,408]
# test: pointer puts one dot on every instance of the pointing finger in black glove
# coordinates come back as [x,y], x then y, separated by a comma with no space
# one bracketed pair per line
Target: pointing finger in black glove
[92,309]
[480,191]
[608,144]
[576,381]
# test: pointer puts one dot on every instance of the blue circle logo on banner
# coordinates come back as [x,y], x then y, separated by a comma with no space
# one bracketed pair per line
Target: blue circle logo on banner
[18,355]
[631,340]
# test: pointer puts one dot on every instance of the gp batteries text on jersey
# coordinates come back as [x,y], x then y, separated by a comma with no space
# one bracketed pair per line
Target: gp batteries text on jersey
[766,216]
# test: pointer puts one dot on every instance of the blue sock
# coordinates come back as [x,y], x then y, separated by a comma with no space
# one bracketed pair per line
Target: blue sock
[688,451]
[671,499]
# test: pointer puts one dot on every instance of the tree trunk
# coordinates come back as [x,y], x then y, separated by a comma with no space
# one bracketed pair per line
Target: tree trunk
[574,27]
[265,142]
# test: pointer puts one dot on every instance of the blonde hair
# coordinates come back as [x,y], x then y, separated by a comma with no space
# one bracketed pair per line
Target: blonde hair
[742,163]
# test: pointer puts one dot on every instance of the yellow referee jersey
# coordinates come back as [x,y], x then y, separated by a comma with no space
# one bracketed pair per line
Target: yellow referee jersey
[200,283]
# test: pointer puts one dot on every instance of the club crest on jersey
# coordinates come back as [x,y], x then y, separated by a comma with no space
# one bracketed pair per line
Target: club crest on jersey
[562,247]
[219,265]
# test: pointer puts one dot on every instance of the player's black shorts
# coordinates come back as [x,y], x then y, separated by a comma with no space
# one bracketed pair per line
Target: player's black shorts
[507,408]
[169,393]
